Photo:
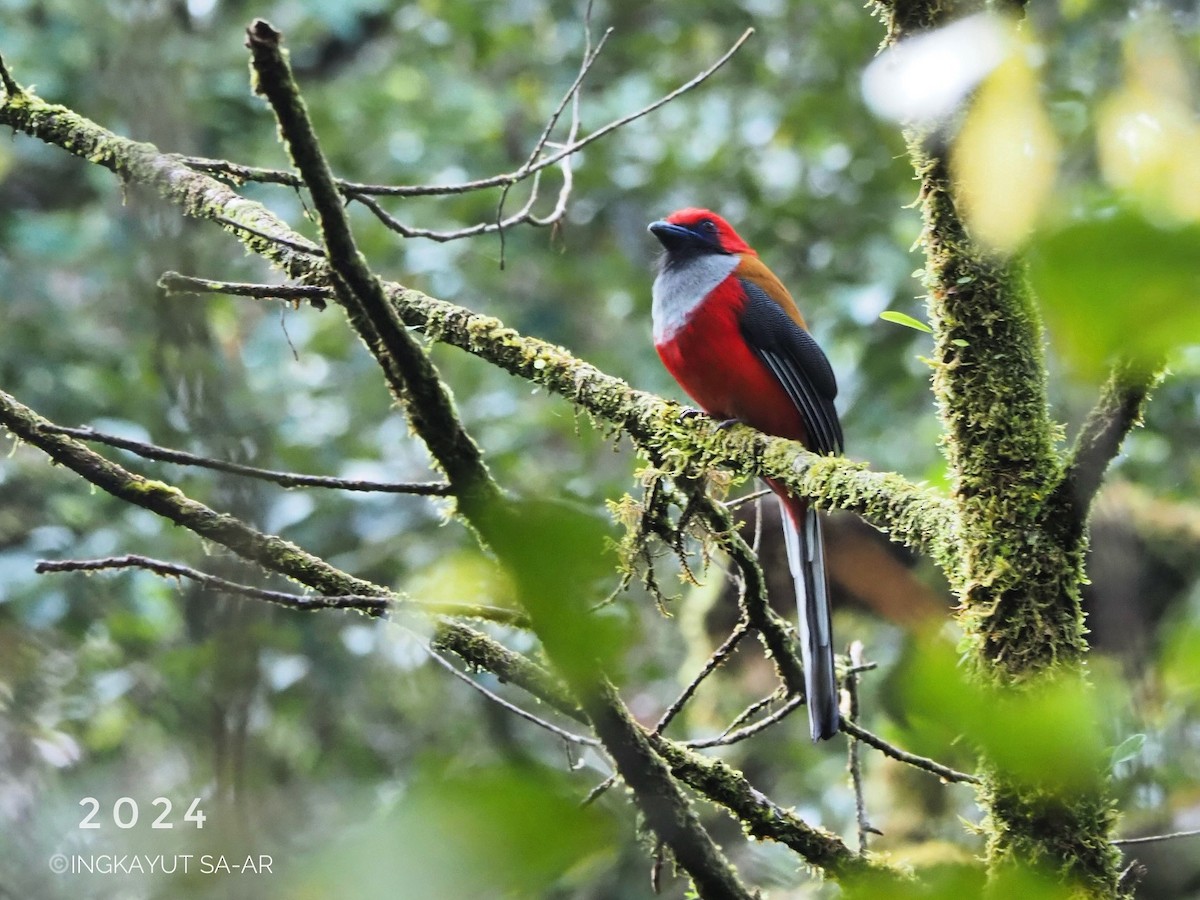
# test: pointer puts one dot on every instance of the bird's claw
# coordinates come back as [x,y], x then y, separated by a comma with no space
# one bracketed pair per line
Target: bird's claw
[690,412]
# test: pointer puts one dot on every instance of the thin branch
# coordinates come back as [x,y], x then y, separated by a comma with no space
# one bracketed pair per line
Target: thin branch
[11,88]
[718,656]
[568,176]
[1117,411]
[920,762]
[374,605]
[854,763]
[570,736]
[175,283]
[749,498]
[409,231]
[1154,838]
[276,176]
[746,714]
[168,501]
[411,375]
[285,479]
[572,94]
[598,791]
[794,702]
[303,246]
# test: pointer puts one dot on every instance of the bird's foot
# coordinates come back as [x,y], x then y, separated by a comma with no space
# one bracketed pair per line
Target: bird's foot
[690,412]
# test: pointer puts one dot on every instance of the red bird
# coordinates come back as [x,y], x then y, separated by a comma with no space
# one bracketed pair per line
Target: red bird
[730,333]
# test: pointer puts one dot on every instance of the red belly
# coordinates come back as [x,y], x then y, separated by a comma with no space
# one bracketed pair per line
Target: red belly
[712,362]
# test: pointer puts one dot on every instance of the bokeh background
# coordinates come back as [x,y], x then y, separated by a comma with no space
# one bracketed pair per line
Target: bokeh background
[333,742]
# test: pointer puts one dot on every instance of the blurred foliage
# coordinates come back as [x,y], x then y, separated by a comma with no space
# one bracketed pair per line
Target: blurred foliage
[308,734]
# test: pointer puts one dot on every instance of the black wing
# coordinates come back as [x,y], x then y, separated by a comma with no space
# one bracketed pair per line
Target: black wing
[798,362]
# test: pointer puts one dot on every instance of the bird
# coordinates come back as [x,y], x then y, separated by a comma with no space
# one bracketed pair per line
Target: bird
[729,332]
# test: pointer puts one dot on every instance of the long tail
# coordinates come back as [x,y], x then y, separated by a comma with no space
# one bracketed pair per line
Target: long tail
[806,558]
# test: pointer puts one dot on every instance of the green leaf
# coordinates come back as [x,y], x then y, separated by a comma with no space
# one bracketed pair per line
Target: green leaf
[560,557]
[1044,734]
[1118,285]
[899,318]
[514,830]
[1128,749]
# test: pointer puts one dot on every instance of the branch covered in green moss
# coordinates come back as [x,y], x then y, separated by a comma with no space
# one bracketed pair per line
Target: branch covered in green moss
[410,373]
[659,798]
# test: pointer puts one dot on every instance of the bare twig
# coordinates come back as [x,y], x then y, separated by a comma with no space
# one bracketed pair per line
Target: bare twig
[348,188]
[746,714]
[168,501]
[176,283]
[862,667]
[302,245]
[568,176]
[569,736]
[285,479]
[732,737]
[1154,838]
[409,231]
[11,88]
[718,656]
[373,605]
[855,756]
[598,791]
[920,762]
[370,604]
[749,498]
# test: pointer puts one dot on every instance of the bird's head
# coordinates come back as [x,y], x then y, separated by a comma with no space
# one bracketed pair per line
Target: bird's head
[697,232]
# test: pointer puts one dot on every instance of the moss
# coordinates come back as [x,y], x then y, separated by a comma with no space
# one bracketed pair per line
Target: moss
[1040,829]
[139,485]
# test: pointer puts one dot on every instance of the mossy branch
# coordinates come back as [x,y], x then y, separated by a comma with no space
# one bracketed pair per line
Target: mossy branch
[659,798]
[1118,409]
[411,375]
[908,513]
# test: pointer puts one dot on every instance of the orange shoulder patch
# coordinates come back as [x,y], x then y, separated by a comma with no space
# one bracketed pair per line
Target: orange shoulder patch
[754,269]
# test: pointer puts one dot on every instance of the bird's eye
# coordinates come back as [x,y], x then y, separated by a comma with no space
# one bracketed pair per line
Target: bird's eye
[708,226]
